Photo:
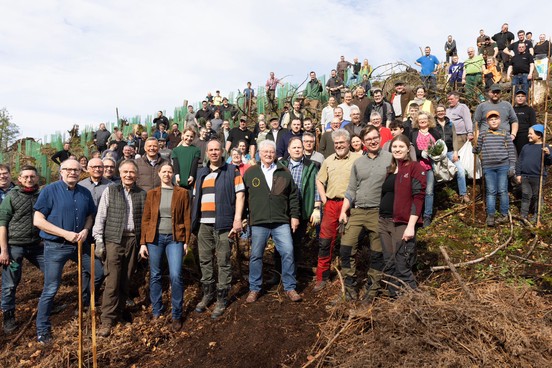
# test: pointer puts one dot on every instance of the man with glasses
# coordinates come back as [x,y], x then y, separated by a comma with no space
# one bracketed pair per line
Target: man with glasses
[309,142]
[332,182]
[64,212]
[18,239]
[96,182]
[109,170]
[508,117]
[360,213]
[356,126]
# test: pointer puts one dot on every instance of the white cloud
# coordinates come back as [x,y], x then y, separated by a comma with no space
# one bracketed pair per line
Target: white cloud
[66,62]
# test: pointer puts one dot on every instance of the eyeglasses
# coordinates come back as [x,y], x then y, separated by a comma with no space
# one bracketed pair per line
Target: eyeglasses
[372,139]
[30,177]
[71,170]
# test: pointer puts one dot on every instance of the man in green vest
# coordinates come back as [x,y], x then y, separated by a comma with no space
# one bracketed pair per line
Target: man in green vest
[18,239]
[117,233]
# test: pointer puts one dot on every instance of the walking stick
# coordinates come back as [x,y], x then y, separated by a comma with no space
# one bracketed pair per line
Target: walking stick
[539,207]
[93,305]
[79,270]
[474,179]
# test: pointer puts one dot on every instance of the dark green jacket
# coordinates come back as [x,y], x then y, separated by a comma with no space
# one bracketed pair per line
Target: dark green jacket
[308,187]
[313,90]
[16,214]
[274,206]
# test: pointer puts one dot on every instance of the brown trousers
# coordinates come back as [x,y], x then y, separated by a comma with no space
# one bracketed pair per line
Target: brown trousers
[120,263]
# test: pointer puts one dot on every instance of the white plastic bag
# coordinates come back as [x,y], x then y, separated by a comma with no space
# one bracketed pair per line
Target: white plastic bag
[444,170]
[466,160]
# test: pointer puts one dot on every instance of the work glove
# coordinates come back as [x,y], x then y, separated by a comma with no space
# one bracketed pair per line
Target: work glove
[99,251]
[315,217]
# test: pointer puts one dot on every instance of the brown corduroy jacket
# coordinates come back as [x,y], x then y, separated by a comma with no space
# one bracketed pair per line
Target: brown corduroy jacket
[180,214]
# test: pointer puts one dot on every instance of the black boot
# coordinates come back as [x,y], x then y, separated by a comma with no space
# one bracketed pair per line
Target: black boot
[222,302]
[9,321]
[208,297]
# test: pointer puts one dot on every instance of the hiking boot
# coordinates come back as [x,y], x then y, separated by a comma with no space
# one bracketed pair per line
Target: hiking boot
[9,321]
[319,286]
[222,302]
[490,221]
[105,330]
[350,294]
[466,198]
[252,296]
[208,297]
[502,219]
[294,296]
[45,338]
[427,221]
[526,221]
[176,325]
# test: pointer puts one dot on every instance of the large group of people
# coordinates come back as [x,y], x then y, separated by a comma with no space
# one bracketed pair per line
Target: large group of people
[363,167]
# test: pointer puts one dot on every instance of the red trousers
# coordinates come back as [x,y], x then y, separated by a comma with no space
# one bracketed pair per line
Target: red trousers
[328,234]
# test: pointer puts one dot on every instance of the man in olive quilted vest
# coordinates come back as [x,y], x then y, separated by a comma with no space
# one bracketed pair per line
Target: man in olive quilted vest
[117,233]
[18,239]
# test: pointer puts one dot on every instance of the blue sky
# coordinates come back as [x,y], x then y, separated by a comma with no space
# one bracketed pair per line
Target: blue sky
[67,62]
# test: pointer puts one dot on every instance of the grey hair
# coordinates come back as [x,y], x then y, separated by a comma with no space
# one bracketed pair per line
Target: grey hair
[341,133]
[265,143]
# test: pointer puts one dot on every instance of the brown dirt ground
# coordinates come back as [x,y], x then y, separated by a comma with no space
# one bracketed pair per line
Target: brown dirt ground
[272,332]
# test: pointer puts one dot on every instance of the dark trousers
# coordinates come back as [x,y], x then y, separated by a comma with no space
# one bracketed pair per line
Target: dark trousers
[120,263]
[399,256]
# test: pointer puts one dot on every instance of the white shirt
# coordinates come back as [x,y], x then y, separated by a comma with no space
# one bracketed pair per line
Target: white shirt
[268,173]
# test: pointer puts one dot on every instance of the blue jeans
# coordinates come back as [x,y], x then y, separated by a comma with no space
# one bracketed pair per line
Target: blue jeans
[10,279]
[460,175]
[521,81]
[174,252]
[55,257]
[430,185]
[496,180]
[281,234]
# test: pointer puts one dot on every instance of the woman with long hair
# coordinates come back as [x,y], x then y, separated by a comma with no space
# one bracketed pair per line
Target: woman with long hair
[166,230]
[402,199]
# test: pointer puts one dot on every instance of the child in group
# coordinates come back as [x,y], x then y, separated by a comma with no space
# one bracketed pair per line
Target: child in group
[528,170]
[397,128]
[498,160]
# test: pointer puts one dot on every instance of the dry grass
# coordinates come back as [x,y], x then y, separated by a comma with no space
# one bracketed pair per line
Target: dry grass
[503,326]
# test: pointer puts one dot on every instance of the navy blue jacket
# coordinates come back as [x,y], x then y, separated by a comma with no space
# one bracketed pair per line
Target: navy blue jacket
[225,197]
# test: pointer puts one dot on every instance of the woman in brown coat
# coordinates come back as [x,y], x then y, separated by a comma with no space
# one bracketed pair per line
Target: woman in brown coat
[166,228]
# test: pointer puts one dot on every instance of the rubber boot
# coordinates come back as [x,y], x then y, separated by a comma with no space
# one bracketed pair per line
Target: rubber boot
[222,302]
[208,297]
[9,321]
